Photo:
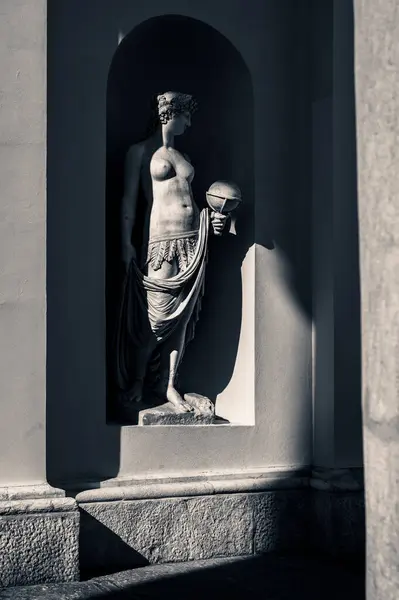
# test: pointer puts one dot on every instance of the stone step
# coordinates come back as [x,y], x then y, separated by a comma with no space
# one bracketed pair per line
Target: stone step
[267,577]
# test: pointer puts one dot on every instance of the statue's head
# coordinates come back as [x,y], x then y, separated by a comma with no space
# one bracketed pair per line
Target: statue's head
[175,110]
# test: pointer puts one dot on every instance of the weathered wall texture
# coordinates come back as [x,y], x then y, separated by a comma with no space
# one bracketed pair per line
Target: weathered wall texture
[377,101]
[130,533]
[38,541]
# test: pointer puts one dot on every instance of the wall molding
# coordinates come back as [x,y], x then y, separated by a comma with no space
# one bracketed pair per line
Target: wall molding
[229,483]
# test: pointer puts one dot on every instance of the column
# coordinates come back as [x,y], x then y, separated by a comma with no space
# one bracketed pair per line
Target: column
[38,526]
[377,105]
[23,241]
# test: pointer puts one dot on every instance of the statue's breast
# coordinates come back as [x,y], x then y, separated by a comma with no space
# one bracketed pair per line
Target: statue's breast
[162,169]
[184,169]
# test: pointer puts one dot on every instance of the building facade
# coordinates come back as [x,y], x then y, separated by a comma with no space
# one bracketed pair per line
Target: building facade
[278,345]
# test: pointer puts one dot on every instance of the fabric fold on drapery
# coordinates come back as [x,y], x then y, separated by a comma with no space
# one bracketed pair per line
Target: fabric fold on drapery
[155,308]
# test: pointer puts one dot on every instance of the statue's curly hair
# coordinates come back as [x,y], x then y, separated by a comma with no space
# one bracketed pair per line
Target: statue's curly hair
[164,109]
[176,105]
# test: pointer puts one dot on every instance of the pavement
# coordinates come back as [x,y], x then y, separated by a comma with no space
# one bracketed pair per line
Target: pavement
[268,577]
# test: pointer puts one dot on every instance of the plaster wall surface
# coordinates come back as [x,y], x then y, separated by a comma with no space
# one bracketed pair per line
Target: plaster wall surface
[22,240]
[276,338]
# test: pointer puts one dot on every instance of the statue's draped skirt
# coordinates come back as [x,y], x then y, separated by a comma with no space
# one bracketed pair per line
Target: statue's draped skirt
[155,309]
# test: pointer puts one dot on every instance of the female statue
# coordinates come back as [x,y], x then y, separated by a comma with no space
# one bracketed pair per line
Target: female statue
[164,280]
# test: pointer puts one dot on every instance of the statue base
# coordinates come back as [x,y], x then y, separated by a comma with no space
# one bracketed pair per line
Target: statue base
[166,414]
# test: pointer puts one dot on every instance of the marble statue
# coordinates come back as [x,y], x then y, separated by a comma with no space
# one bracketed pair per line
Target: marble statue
[164,282]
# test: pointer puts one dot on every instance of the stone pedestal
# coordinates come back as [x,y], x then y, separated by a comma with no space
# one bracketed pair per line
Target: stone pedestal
[203,413]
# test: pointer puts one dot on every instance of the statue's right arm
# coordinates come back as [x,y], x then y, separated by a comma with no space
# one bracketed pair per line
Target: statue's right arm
[130,199]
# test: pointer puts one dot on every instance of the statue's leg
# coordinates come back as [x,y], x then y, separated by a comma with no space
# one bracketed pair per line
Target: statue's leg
[176,350]
[175,345]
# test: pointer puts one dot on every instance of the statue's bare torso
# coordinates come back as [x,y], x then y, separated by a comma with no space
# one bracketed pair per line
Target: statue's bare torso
[173,210]
[165,181]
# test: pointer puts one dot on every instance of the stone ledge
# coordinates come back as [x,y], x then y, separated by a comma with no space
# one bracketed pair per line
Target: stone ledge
[191,486]
[36,491]
[39,506]
[275,473]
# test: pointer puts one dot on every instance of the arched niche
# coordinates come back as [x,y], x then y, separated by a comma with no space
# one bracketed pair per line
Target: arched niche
[174,52]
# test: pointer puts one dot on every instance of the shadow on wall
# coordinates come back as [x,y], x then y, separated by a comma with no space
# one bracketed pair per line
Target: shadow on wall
[348,362]
[79,446]
[336,272]
[102,551]
[183,54]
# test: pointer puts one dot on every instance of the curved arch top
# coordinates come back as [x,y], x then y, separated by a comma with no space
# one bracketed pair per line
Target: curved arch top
[172,52]
[151,26]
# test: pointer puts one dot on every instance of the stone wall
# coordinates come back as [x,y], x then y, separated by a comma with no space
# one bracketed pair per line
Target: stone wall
[119,525]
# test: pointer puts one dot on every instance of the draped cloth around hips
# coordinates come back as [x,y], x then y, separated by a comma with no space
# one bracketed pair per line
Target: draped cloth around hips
[154,309]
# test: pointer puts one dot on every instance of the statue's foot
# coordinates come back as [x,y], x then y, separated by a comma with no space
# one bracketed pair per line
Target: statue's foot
[174,398]
[200,403]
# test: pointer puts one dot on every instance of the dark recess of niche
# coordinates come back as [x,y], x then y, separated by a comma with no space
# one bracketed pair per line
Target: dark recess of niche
[179,53]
